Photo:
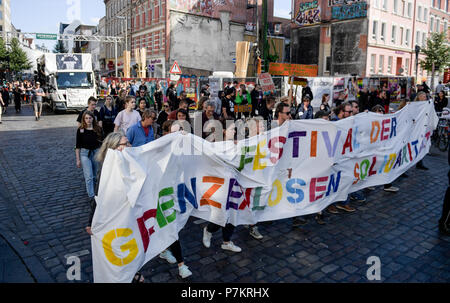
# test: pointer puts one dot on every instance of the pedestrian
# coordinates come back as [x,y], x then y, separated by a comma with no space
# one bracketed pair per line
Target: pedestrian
[242,98]
[88,140]
[202,103]
[92,104]
[171,95]
[173,254]
[205,91]
[128,117]
[282,114]
[440,101]
[163,114]
[108,114]
[144,131]
[421,96]
[305,110]
[113,90]
[341,98]
[158,97]
[444,221]
[5,96]
[142,106]
[38,95]
[439,88]
[266,110]
[2,105]
[120,100]
[182,105]
[208,116]
[257,98]
[17,93]
[228,105]
[325,106]
[227,231]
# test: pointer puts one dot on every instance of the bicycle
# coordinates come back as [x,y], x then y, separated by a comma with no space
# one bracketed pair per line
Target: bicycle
[440,137]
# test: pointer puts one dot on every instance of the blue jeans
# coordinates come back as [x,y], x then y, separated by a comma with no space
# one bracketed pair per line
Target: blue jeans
[89,166]
[357,195]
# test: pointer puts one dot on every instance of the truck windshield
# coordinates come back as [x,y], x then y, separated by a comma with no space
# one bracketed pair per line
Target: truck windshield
[74,80]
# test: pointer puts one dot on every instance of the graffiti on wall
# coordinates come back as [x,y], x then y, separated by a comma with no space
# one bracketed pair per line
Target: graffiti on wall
[200,7]
[355,10]
[343,2]
[308,14]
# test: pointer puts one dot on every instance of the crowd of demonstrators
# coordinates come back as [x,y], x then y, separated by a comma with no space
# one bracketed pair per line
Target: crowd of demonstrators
[127,120]
[22,92]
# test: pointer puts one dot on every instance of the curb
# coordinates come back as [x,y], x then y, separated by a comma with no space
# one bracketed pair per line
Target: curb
[26,255]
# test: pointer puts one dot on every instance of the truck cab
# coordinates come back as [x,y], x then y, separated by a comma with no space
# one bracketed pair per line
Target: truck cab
[68,80]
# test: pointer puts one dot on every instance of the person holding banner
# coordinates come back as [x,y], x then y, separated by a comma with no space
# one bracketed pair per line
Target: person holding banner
[421,96]
[227,231]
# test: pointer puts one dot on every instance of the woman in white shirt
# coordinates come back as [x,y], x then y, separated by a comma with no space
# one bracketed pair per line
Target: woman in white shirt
[127,117]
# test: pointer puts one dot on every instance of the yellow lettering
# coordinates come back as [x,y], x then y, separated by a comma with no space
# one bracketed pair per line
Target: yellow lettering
[130,246]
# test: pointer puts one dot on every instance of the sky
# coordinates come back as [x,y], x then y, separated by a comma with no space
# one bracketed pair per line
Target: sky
[44,16]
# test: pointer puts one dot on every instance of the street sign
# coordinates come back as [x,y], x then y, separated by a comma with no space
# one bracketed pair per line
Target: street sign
[47,36]
[234,60]
[175,69]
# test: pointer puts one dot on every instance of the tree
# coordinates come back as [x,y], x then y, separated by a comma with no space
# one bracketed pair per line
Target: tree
[4,55]
[18,59]
[60,48]
[438,55]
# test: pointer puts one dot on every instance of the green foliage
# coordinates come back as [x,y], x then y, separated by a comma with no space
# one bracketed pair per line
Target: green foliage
[18,59]
[59,48]
[437,52]
[4,55]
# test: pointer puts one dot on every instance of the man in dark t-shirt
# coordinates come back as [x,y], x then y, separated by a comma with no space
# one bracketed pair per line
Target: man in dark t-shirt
[92,103]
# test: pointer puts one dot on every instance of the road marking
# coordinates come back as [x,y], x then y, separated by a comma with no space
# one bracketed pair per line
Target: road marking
[78,254]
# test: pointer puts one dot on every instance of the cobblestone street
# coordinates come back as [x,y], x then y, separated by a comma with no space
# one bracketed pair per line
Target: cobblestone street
[44,210]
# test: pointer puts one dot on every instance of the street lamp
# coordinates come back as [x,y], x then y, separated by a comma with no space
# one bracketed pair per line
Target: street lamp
[417,61]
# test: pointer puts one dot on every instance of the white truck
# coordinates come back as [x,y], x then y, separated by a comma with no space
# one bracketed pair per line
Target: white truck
[68,80]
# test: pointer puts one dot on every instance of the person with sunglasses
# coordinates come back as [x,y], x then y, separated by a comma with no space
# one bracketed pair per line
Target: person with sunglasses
[144,131]
[282,114]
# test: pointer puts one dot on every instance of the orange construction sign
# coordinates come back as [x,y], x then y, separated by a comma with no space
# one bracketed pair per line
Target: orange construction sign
[299,70]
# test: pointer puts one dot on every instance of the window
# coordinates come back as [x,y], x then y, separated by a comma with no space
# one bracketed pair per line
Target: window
[408,32]
[431,24]
[407,66]
[277,28]
[424,39]
[372,63]
[385,3]
[394,33]
[417,38]
[401,35]
[446,27]
[425,15]
[403,8]
[396,6]
[374,29]
[380,64]
[383,31]
[419,13]
[438,25]
[409,9]
[389,68]
[376,3]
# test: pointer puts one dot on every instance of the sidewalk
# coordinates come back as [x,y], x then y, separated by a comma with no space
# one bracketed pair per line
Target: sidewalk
[12,269]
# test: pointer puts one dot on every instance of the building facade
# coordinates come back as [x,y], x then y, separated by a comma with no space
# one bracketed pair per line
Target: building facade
[365,37]
[210,28]
[5,17]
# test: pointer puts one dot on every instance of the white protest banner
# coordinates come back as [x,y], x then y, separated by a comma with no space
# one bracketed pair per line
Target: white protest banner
[147,193]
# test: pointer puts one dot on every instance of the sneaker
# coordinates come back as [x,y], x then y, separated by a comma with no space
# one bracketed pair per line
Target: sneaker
[332,209]
[392,189]
[357,198]
[319,219]
[421,166]
[346,208]
[254,232]
[167,255]
[184,271]
[206,237]
[231,247]
[298,221]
